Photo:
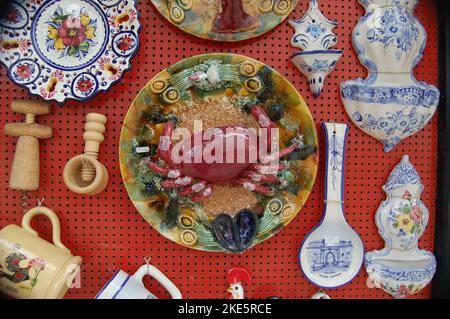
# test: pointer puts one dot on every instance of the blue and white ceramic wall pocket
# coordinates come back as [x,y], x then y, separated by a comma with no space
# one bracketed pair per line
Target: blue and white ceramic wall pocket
[390,105]
[331,255]
[69,49]
[401,268]
[316,65]
[314,36]
[313,31]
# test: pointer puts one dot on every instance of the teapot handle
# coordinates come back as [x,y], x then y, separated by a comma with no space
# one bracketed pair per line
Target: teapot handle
[160,277]
[56,228]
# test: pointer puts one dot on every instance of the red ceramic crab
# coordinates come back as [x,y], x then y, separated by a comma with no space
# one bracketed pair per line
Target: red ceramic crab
[195,178]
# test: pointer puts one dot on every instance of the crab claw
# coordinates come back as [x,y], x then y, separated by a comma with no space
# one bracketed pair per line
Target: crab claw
[195,188]
[267,169]
[179,182]
[250,186]
[262,118]
[255,177]
[171,173]
[203,195]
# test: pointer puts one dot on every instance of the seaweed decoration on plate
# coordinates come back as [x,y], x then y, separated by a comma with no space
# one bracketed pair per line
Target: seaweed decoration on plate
[218,152]
[68,49]
[225,20]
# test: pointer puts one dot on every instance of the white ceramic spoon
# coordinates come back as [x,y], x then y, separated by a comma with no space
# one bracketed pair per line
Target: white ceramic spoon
[332,253]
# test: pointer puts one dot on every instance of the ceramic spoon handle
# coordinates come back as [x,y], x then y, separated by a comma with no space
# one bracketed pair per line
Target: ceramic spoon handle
[335,134]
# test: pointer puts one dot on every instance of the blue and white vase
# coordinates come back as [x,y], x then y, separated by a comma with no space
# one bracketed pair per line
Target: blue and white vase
[314,36]
[390,104]
[401,268]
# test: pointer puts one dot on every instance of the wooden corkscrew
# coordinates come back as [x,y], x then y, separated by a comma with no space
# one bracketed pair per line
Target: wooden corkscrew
[84,174]
[25,171]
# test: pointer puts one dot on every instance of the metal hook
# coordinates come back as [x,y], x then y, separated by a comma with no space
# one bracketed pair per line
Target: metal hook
[147,261]
[40,201]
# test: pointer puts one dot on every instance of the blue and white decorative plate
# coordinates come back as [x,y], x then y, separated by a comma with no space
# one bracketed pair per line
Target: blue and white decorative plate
[68,49]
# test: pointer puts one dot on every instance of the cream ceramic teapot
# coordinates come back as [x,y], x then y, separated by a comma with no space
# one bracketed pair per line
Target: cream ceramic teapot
[31,267]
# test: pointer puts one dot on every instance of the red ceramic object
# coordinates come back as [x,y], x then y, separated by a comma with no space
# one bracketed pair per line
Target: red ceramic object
[194,174]
[233,18]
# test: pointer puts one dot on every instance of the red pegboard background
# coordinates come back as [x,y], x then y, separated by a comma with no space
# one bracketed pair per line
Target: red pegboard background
[109,234]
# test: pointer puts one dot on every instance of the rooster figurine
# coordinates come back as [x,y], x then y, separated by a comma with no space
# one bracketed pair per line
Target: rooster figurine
[236,276]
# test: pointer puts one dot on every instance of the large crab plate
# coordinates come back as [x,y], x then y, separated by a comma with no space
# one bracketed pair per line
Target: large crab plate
[225,20]
[241,81]
[68,49]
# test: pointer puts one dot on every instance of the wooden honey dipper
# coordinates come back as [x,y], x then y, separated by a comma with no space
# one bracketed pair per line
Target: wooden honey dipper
[84,174]
[25,167]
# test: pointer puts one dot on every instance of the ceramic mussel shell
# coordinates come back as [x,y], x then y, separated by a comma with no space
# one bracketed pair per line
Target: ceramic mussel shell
[390,105]
[401,268]
[236,233]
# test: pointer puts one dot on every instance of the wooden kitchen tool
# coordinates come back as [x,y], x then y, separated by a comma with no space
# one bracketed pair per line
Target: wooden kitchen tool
[84,174]
[25,166]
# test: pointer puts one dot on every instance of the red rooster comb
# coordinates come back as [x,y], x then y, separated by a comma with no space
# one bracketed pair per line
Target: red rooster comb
[237,275]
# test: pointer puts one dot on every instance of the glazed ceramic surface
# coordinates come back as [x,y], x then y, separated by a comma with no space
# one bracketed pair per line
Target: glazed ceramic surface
[314,36]
[225,20]
[222,77]
[124,286]
[390,104]
[68,49]
[32,268]
[401,268]
[331,254]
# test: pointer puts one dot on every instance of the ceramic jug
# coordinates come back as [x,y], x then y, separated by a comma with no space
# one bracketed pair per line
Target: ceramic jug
[390,105]
[31,267]
[125,286]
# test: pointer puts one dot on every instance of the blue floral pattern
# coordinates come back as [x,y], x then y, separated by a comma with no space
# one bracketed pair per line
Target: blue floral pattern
[406,96]
[319,66]
[315,30]
[403,174]
[397,124]
[395,28]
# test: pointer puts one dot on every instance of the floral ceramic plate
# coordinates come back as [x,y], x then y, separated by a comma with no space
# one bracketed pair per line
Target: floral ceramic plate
[225,20]
[218,207]
[68,49]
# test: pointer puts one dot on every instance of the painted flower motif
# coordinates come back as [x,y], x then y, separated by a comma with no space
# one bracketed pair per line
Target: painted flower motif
[13,16]
[49,90]
[321,65]
[315,30]
[416,214]
[387,124]
[73,35]
[37,263]
[405,222]
[125,43]
[407,195]
[24,71]
[85,85]
[403,291]
[112,71]
[128,16]
[21,44]
[395,28]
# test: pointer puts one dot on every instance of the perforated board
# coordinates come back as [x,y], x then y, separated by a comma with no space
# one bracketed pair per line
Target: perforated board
[109,234]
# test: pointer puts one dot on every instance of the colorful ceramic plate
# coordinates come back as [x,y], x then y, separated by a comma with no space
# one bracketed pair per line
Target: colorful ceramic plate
[68,49]
[225,20]
[221,90]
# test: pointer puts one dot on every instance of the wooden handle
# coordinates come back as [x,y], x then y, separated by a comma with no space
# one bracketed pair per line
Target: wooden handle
[94,129]
[25,129]
[30,107]
[25,166]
